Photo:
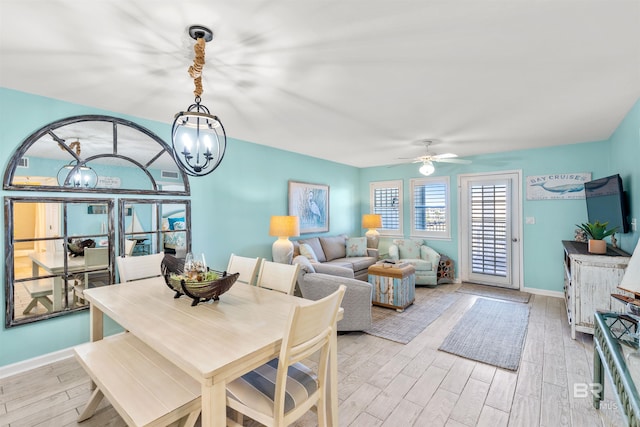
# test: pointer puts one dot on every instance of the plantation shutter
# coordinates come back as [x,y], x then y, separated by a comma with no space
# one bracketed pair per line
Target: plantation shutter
[386,202]
[489,219]
[430,207]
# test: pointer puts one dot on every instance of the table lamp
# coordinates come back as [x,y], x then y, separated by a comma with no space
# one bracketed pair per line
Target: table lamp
[283,227]
[372,221]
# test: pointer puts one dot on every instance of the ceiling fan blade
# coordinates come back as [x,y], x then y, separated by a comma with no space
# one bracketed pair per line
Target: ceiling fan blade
[445,156]
[459,161]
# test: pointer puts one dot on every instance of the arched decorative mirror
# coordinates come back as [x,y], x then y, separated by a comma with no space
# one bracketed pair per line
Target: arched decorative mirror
[95,154]
[55,247]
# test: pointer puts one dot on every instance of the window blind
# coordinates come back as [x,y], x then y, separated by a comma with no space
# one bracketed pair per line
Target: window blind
[489,214]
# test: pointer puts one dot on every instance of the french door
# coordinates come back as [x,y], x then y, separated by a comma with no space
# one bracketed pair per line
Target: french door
[490,225]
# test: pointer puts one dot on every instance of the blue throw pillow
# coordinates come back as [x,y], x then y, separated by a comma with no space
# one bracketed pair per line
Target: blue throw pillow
[172,222]
[356,246]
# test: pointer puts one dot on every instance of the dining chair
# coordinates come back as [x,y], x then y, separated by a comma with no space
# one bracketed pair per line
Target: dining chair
[129,245]
[278,277]
[247,267]
[139,267]
[92,257]
[282,390]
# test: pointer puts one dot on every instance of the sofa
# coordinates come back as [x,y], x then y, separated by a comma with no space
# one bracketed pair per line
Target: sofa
[357,297]
[423,258]
[337,251]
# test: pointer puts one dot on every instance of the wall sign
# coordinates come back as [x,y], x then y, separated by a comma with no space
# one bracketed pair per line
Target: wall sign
[557,186]
[109,182]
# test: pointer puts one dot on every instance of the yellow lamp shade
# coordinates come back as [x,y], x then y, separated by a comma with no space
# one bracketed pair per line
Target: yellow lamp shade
[371,221]
[284,226]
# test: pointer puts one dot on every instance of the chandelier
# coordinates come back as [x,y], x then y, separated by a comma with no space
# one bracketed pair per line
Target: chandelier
[76,174]
[198,137]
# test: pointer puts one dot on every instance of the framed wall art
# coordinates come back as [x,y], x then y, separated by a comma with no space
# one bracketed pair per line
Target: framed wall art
[310,203]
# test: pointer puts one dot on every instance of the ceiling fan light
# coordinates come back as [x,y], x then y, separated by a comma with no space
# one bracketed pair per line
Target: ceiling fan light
[427,168]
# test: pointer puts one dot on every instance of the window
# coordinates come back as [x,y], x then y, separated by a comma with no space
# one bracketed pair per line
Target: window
[430,208]
[386,200]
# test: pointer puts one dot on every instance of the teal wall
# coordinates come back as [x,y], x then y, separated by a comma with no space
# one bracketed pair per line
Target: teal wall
[625,153]
[554,219]
[230,207]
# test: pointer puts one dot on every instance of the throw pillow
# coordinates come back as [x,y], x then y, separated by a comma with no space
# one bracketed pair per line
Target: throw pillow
[305,264]
[179,225]
[409,249]
[356,246]
[307,252]
[314,242]
[172,222]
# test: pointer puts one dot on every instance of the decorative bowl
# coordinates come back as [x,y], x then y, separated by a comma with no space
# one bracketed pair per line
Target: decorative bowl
[216,284]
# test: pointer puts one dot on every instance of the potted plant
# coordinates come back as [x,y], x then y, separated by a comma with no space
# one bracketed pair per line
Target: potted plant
[596,232]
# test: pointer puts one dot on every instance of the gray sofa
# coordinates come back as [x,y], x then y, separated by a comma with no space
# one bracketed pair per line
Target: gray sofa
[357,297]
[332,251]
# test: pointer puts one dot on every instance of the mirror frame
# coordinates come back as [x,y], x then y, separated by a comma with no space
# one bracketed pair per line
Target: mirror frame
[158,232]
[50,128]
[109,197]
[10,280]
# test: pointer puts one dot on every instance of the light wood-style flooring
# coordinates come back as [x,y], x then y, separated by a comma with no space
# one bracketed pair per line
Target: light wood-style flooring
[382,383]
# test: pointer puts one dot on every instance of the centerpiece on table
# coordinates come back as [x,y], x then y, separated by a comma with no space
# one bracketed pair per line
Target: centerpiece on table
[196,280]
[596,232]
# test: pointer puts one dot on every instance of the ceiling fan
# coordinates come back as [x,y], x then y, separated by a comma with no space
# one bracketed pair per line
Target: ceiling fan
[427,159]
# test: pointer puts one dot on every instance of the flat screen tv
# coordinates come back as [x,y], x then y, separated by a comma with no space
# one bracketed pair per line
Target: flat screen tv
[606,202]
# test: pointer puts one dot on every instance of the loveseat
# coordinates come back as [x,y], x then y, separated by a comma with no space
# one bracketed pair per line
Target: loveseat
[337,251]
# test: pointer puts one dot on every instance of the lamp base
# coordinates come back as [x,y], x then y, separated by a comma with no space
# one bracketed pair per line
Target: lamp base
[282,251]
[373,238]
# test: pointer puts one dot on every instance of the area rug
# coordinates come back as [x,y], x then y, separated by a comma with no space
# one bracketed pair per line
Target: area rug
[491,332]
[403,327]
[495,292]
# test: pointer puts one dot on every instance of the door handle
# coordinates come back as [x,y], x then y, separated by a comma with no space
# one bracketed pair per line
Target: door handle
[514,240]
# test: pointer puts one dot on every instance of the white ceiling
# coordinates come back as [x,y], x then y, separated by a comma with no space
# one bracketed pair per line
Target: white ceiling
[352,81]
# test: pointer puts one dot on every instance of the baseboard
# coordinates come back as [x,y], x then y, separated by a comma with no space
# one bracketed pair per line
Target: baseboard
[36,362]
[544,292]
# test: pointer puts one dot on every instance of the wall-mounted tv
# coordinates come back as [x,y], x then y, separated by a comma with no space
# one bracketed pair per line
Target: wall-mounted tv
[606,202]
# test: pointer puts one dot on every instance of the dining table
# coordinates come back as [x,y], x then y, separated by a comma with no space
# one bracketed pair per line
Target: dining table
[54,263]
[214,342]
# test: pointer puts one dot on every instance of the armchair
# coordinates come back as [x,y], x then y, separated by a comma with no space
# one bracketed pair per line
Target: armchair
[423,258]
[357,298]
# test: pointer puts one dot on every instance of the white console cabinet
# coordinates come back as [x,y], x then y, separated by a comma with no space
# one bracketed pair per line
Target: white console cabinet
[589,281]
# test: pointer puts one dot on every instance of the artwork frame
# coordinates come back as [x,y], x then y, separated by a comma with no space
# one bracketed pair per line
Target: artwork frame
[310,203]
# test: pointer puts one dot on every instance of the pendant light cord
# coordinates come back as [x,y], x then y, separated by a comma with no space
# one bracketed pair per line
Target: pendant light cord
[195,71]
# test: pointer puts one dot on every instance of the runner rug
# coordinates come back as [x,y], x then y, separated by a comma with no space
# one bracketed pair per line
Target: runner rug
[491,332]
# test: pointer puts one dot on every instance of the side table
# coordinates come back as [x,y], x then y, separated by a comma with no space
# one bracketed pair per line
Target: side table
[393,287]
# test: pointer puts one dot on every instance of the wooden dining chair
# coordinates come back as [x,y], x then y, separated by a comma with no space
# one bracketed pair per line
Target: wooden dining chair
[139,267]
[93,257]
[247,267]
[278,277]
[282,390]
[129,245]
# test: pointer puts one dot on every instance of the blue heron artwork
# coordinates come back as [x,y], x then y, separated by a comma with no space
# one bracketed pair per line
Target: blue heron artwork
[310,203]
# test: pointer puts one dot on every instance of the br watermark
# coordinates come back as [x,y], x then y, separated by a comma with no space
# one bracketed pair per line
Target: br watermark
[590,391]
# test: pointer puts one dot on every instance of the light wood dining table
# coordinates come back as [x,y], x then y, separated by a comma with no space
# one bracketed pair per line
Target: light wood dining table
[54,263]
[212,342]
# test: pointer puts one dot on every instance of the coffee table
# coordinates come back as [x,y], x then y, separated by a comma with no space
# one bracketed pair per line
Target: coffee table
[393,286]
